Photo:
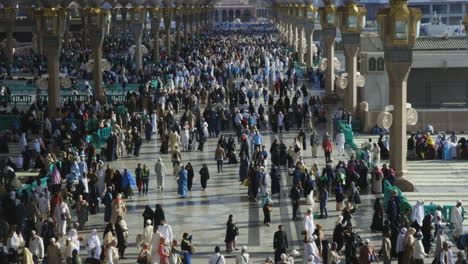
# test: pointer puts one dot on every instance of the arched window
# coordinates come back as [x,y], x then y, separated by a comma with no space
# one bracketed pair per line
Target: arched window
[380,64]
[372,64]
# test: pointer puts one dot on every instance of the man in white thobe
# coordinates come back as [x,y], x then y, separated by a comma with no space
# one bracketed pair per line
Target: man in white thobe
[217,258]
[309,225]
[36,246]
[155,241]
[148,233]
[166,231]
[340,142]
[457,220]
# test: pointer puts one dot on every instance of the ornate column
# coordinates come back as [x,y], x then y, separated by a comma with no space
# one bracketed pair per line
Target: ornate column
[51,29]
[309,16]
[192,23]
[9,19]
[84,23]
[398,28]
[167,28]
[329,33]
[351,47]
[185,20]
[138,16]
[98,21]
[300,52]
[155,23]
[310,42]
[178,21]
[352,19]
[114,13]
[198,23]
[52,53]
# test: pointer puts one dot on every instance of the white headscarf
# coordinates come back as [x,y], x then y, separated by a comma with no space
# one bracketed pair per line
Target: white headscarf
[94,245]
[73,235]
[418,212]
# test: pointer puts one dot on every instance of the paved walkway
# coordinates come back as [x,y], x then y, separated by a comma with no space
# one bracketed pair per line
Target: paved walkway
[204,214]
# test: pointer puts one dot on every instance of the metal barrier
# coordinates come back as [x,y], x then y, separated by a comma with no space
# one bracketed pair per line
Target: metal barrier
[117,98]
[5,99]
[8,122]
[21,88]
[21,99]
[75,98]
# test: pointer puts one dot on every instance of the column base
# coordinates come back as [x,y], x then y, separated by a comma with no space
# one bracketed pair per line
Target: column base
[404,184]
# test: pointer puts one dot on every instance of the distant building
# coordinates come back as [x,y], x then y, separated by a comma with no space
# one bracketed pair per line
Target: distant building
[451,12]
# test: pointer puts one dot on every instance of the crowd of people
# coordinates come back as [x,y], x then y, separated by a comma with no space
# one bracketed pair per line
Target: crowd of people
[233,86]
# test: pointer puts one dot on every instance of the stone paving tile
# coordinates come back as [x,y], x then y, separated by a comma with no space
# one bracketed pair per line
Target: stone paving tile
[204,214]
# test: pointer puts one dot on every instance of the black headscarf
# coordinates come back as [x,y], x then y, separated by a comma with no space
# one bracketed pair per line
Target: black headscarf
[158,215]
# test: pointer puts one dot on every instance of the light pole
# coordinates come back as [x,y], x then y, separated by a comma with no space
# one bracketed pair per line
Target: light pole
[51,27]
[352,21]
[399,29]
[310,14]
[328,19]
[329,22]
[299,17]
[155,23]
[8,15]
[98,21]
[138,17]
[178,18]
[168,13]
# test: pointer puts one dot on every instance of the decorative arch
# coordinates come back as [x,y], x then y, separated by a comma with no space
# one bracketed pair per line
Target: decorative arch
[380,64]
[372,64]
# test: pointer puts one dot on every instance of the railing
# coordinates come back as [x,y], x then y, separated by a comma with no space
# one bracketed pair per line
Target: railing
[9,121]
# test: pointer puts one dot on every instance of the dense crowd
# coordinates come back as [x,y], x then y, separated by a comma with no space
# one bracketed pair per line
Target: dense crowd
[231,85]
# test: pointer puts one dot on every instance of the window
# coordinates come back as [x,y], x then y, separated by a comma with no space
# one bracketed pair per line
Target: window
[440,9]
[425,9]
[456,9]
[425,20]
[401,30]
[372,64]
[380,64]
[455,20]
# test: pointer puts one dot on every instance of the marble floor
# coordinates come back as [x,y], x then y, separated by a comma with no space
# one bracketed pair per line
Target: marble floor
[204,213]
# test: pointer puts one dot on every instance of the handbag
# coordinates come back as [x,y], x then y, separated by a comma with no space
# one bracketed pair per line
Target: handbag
[246,182]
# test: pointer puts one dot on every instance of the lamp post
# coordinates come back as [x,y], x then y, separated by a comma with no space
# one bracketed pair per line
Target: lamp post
[138,17]
[399,29]
[299,17]
[51,27]
[310,14]
[167,27]
[295,30]
[8,15]
[178,18]
[185,20]
[98,21]
[155,23]
[192,23]
[352,21]
[329,20]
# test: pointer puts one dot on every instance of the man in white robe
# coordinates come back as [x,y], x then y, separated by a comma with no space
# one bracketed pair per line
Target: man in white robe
[457,220]
[155,241]
[43,205]
[36,246]
[340,142]
[417,215]
[309,225]
[166,231]
[147,233]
